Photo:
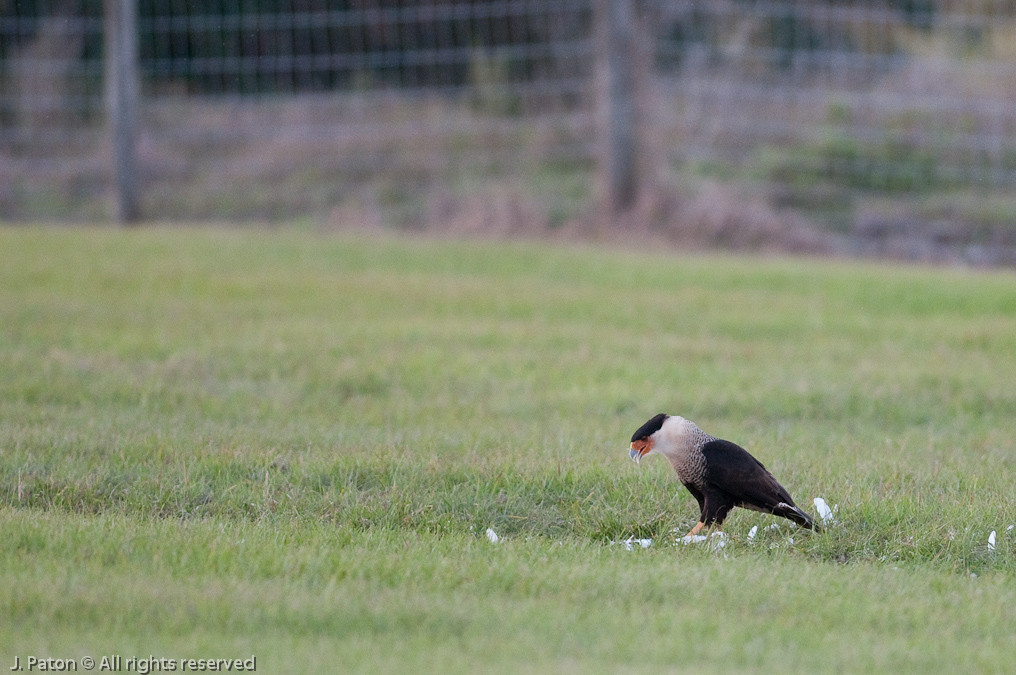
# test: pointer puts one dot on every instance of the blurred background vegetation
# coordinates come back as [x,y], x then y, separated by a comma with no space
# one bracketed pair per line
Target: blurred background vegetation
[841,126]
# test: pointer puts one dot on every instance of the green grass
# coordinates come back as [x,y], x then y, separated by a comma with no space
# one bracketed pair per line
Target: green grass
[218,443]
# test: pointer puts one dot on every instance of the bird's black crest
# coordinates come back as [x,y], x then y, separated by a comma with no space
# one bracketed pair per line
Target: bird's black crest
[650,427]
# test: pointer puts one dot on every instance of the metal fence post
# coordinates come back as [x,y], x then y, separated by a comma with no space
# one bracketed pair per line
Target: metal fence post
[617,83]
[122,95]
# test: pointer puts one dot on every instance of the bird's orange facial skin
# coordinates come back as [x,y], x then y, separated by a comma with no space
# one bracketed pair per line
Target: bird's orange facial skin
[642,446]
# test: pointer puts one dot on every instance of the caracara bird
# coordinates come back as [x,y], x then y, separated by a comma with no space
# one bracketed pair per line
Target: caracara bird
[719,474]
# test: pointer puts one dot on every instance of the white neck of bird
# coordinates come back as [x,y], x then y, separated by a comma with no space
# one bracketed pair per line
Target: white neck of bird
[676,437]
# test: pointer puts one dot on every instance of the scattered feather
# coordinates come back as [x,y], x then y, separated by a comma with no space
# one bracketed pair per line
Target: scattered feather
[751,533]
[721,540]
[824,512]
[632,542]
[991,541]
[1009,528]
[492,535]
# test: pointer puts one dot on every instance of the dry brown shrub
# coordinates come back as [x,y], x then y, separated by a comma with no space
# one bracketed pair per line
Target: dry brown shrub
[501,212]
[714,216]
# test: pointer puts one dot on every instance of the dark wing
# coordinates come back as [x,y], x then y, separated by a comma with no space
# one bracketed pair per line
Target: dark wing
[732,469]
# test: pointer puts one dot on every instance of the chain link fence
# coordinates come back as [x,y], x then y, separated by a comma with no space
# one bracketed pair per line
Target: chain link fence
[886,124]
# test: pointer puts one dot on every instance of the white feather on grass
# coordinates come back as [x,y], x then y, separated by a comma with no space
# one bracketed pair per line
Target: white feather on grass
[752,532]
[991,541]
[824,512]
[492,535]
[631,543]
[721,539]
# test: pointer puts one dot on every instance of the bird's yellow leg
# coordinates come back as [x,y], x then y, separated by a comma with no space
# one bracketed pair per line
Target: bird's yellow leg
[695,530]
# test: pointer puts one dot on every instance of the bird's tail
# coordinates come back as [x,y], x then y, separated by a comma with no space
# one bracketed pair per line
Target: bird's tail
[791,512]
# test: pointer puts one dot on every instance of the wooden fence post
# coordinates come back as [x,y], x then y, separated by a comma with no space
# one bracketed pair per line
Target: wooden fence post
[122,84]
[618,78]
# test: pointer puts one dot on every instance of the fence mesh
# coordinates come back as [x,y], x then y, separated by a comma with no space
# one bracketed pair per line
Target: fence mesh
[849,113]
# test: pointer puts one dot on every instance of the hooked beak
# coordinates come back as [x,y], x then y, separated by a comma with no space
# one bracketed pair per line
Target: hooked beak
[639,448]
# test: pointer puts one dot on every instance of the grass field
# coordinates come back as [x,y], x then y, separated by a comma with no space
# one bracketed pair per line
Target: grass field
[218,443]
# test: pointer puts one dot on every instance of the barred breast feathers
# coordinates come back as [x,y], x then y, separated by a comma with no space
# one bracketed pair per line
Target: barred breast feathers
[681,442]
